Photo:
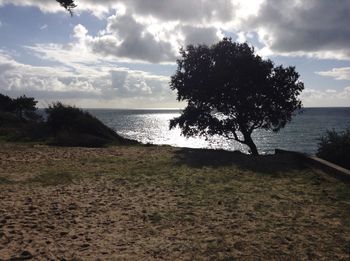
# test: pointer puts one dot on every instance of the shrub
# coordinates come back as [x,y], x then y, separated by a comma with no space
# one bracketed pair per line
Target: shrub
[72,126]
[335,147]
[69,139]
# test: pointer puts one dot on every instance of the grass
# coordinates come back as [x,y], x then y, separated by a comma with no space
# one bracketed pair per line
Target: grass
[53,178]
[4,180]
[226,204]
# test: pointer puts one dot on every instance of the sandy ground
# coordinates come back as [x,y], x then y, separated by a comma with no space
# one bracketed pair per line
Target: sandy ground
[101,216]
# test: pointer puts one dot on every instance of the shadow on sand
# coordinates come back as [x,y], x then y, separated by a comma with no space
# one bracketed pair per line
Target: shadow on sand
[272,164]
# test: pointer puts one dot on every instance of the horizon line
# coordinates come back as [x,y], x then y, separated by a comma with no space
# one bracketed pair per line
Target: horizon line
[172,109]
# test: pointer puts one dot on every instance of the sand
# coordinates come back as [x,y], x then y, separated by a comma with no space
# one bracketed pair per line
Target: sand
[103,210]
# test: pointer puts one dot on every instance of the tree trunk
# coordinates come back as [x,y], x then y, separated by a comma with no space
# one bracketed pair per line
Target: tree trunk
[250,143]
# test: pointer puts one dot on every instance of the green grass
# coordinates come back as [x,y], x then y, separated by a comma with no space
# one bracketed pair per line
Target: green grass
[4,180]
[53,178]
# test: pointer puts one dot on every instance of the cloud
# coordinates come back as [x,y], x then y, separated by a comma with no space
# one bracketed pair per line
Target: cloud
[342,73]
[17,78]
[80,80]
[290,27]
[185,10]
[43,27]
[315,98]
[200,35]
[313,28]
[175,10]
[44,5]
[127,38]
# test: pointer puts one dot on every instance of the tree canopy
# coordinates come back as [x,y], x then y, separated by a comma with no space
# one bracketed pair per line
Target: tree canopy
[6,103]
[24,107]
[68,5]
[231,91]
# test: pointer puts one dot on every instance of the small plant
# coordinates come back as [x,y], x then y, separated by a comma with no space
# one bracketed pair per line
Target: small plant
[335,147]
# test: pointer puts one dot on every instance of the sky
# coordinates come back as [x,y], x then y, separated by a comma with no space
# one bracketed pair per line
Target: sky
[121,54]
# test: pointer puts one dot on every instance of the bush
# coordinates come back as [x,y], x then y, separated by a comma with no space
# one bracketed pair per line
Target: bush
[68,139]
[335,147]
[65,125]
[72,126]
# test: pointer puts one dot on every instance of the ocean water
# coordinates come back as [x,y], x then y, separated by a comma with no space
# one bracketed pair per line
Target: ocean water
[152,126]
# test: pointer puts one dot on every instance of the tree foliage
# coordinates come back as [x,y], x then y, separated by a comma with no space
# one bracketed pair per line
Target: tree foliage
[68,5]
[231,91]
[24,107]
[6,103]
[335,147]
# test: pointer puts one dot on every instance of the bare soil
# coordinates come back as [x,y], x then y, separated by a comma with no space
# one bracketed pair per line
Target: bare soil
[163,203]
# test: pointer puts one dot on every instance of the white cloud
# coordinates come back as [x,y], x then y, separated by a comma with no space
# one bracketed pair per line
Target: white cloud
[342,73]
[130,40]
[326,98]
[184,10]
[43,27]
[81,81]
[44,5]
[290,27]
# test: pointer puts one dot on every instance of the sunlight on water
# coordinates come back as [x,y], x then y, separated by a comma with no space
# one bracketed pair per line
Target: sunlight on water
[152,126]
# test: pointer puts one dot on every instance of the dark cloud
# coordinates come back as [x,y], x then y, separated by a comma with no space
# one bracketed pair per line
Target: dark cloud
[301,26]
[200,35]
[185,10]
[129,39]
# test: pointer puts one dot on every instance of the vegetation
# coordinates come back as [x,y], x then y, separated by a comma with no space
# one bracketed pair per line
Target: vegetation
[335,147]
[18,118]
[74,127]
[64,126]
[69,5]
[24,107]
[231,90]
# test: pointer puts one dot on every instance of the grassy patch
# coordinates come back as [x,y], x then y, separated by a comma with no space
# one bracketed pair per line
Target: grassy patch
[4,180]
[155,218]
[52,178]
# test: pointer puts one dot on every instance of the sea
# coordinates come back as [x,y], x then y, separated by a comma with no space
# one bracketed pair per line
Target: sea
[302,134]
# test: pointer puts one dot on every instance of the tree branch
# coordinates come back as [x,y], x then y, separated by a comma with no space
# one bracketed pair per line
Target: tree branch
[235,137]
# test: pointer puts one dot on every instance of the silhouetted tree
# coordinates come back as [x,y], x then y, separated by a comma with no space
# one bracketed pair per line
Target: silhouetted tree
[68,5]
[25,106]
[6,103]
[230,90]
